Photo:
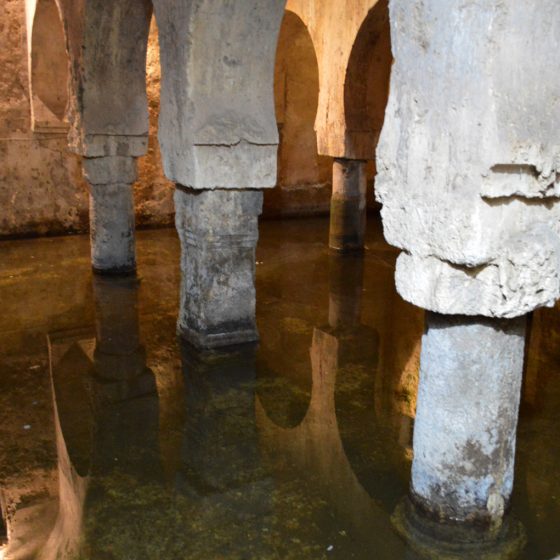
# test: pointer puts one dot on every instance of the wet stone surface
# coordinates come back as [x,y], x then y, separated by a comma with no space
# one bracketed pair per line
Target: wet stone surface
[118,441]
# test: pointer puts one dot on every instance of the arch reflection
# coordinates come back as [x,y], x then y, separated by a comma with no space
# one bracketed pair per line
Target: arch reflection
[336,443]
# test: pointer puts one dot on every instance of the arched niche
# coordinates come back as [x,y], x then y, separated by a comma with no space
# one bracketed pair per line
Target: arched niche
[366,87]
[48,70]
[302,173]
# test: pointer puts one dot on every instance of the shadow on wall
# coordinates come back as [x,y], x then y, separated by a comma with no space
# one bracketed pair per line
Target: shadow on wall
[304,177]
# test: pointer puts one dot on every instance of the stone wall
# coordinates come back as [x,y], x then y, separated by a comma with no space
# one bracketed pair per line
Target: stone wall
[41,187]
[41,190]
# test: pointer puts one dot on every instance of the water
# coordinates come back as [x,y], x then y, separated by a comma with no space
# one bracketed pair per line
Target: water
[119,442]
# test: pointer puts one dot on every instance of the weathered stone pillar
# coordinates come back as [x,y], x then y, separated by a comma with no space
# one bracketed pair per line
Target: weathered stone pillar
[348,205]
[111,213]
[469,176]
[219,144]
[466,418]
[219,232]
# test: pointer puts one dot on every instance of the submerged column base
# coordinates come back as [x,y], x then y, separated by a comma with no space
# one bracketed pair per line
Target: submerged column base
[210,340]
[348,206]
[219,232]
[457,541]
[466,418]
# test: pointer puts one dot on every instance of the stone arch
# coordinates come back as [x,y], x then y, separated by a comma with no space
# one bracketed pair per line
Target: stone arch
[217,125]
[48,69]
[366,87]
[296,89]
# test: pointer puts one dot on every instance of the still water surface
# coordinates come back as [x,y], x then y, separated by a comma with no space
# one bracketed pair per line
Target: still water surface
[117,441]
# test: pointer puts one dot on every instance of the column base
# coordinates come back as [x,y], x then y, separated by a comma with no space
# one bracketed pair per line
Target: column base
[348,206]
[115,272]
[457,541]
[112,229]
[111,213]
[211,340]
[347,226]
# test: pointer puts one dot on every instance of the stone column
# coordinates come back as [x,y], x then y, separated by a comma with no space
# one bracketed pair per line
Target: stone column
[219,232]
[466,418]
[470,195]
[348,205]
[111,213]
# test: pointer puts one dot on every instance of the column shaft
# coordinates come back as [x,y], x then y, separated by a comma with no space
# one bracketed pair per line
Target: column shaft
[466,418]
[111,213]
[219,232]
[348,205]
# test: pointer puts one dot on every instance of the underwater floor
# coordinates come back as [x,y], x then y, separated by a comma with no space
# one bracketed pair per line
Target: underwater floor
[117,441]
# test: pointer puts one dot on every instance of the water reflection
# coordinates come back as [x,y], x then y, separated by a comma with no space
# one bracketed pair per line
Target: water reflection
[537,489]
[297,449]
[228,489]
[220,446]
[339,439]
[106,419]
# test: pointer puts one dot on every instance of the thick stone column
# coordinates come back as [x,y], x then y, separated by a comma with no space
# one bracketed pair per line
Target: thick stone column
[466,418]
[219,232]
[111,213]
[219,139]
[348,205]
[470,194]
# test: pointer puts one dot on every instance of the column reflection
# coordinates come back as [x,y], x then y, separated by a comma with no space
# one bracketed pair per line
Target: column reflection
[221,475]
[106,420]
